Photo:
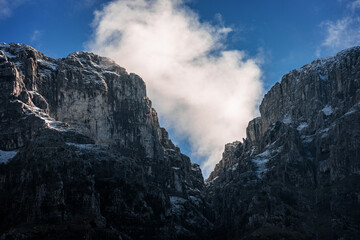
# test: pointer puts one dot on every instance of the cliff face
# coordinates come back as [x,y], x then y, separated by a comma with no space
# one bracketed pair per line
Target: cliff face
[297,174]
[83,155]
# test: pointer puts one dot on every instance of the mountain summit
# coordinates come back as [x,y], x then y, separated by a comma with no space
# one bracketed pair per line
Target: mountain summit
[82,156]
[297,174]
[91,159]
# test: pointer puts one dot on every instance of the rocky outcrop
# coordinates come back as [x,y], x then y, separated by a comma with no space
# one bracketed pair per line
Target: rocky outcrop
[297,174]
[83,155]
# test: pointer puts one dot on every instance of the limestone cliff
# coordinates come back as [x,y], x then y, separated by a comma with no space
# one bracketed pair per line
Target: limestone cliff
[297,174]
[84,156]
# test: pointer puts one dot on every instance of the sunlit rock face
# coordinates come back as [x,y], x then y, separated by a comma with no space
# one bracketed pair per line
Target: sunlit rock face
[83,155]
[297,174]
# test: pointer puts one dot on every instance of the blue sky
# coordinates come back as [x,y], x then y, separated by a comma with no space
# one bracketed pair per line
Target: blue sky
[288,32]
[281,35]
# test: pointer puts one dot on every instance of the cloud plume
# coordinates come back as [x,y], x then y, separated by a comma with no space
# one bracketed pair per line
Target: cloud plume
[203,91]
[342,33]
[8,6]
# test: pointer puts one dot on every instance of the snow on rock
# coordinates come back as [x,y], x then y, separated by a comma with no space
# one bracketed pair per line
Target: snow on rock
[212,180]
[14,48]
[50,122]
[323,77]
[9,55]
[351,111]
[260,161]
[34,93]
[265,154]
[82,146]
[302,126]
[5,156]
[48,64]
[253,148]
[111,72]
[307,138]
[287,119]
[327,110]
[324,132]
[233,168]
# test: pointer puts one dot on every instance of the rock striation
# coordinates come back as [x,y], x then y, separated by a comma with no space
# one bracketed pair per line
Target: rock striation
[297,173]
[83,155]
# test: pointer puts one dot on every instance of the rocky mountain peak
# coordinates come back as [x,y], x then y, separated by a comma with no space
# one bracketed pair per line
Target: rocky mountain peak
[82,156]
[304,144]
[80,134]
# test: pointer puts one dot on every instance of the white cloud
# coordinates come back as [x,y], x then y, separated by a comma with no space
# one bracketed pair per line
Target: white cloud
[35,36]
[7,7]
[206,93]
[342,33]
[5,10]
[355,5]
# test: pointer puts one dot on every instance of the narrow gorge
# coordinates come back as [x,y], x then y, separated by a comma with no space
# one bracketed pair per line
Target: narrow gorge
[83,156]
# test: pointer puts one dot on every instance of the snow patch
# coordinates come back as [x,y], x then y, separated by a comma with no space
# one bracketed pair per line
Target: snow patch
[324,132]
[323,77]
[215,178]
[113,73]
[18,64]
[50,122]
[351,111]
[260,163]
[253,148]
[82,146]
[34,93]
[302,126]
[233,167]
[5,156]
[287,119]
[264,154]
[327,110]
[60,126]
[9,55]
[307,138]
[261,159]
[48,64]
[324,135]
